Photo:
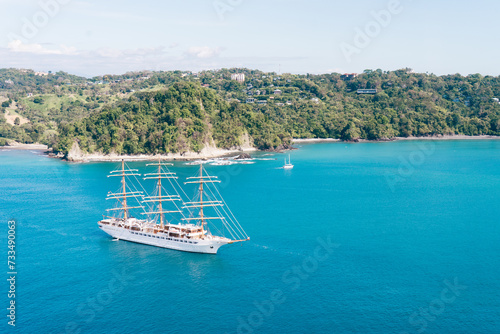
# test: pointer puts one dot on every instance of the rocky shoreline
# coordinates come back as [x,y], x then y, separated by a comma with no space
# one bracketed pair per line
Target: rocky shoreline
[210,151]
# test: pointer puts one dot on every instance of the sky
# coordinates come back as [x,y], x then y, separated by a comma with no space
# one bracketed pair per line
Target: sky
[91,37]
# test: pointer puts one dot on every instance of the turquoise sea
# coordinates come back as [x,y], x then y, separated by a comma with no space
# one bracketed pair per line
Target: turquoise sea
[397,237]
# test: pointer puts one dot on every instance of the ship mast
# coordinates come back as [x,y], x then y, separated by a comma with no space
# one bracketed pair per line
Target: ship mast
[213,199]
[123,195]
[201,200]
[160,198]
[202,204]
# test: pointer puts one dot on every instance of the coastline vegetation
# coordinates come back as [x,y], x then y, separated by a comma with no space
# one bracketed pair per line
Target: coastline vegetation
[160,112]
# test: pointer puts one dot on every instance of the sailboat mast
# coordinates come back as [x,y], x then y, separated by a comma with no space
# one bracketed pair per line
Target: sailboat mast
[124,191]
[201,198]
[159,194]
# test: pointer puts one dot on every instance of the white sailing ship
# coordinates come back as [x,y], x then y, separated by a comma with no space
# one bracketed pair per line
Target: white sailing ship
[288,165]
[170,220]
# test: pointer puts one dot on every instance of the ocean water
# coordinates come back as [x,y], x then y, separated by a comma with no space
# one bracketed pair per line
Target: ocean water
[399,237]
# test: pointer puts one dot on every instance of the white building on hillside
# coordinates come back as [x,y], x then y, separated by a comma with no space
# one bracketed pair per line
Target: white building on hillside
[240,77]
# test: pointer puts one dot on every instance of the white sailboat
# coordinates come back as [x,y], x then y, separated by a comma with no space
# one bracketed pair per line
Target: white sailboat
[188,231]
[289,164]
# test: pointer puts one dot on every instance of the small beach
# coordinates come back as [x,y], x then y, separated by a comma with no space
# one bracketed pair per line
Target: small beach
[19,146]
[439,137]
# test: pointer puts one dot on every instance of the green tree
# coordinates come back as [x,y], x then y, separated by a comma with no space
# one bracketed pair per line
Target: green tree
[350,132]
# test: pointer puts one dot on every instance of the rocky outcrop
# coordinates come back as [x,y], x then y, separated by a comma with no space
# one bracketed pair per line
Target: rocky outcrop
[75,153]
[243,156]
[247,143]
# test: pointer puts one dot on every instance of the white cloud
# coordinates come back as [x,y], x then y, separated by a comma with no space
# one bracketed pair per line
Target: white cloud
[49,57]
[127,53]
[204,51]
[19,46]
[109,53]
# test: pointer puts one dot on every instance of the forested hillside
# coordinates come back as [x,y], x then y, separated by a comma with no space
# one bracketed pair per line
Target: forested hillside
[180,119]
[147,112]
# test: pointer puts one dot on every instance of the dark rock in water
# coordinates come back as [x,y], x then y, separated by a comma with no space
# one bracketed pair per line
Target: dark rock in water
[51,154]
[243,156]
[281,148]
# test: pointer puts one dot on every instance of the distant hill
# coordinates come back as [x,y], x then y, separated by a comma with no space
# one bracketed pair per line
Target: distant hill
[183,118]
[148,112]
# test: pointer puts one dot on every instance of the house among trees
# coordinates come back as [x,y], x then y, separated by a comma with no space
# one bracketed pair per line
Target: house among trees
[367,91]
[277,92]
[348,76]
[240,77]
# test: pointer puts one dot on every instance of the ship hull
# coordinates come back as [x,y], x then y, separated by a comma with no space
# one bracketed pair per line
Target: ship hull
[205,246]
